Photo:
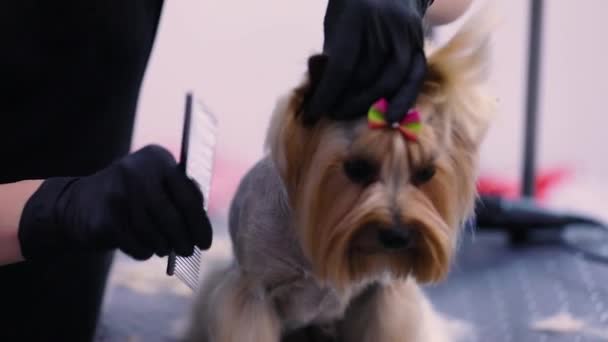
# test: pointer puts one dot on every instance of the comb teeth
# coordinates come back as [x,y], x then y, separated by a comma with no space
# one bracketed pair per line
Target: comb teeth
[198,145]
[187,269]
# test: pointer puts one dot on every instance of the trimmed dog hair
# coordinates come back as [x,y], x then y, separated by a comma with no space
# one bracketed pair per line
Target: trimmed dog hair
[339,225]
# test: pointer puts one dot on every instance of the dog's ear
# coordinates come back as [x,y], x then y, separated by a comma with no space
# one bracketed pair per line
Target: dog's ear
[316,68]
[456,77]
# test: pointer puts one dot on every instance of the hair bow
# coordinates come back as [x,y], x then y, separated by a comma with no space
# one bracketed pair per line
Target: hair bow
[409,126]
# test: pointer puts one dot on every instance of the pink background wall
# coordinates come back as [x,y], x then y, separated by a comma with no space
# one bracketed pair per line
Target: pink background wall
[238,56]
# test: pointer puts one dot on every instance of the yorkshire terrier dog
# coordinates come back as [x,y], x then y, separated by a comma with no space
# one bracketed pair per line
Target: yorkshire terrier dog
[337,228]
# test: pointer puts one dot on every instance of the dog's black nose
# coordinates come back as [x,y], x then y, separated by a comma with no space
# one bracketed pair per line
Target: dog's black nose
[394,238]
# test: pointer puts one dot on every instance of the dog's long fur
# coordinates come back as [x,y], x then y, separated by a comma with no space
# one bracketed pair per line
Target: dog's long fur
[304,234]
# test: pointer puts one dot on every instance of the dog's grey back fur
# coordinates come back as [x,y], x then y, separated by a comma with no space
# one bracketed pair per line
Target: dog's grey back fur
[258,223]
[267,250]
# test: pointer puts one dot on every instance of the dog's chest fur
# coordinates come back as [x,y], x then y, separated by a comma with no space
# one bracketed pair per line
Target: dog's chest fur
[268,253]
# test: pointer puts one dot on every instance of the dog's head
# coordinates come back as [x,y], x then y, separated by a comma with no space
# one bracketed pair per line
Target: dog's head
[368,202]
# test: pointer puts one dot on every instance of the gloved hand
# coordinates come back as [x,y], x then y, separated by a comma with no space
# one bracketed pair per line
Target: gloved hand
[143,204]
[374,50]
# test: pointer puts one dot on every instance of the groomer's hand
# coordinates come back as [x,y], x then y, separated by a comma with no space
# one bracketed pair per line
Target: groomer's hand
[142,204]
[374,50]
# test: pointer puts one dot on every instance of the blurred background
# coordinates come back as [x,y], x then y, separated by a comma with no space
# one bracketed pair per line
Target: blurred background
[239,56]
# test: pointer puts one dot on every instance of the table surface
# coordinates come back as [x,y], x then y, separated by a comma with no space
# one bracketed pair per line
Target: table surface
[506,293]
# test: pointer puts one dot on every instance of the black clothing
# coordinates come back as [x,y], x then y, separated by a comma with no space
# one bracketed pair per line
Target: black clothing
[70,74]
[143,204]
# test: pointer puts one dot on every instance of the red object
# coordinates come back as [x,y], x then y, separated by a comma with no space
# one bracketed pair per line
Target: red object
[546,180]
[227,175]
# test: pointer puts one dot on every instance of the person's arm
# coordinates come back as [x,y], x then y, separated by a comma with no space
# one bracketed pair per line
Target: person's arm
[442,12]
[143,204]
[13,197]
[375,49]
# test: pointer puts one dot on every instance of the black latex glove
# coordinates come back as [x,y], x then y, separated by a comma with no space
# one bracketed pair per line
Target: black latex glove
[143,205]
[374,50]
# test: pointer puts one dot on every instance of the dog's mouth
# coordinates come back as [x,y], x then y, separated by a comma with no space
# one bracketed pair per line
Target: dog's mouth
[377,239]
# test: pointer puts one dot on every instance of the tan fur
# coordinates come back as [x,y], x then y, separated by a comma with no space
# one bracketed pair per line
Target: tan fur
[392,313]
[230,300]
[330,210]
[310,255]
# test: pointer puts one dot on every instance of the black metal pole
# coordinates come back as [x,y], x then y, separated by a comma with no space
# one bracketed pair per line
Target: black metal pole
[532,95]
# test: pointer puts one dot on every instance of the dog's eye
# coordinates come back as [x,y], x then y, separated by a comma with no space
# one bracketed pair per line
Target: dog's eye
[423,175]
[361,171]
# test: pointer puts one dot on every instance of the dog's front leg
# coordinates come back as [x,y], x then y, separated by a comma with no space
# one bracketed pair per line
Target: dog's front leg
[384,313]
[236,310]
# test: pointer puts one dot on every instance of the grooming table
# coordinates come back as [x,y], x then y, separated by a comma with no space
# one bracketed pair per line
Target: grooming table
[500,289]
[505,290]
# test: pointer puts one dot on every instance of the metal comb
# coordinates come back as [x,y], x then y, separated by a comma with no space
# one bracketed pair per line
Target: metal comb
[196,160]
